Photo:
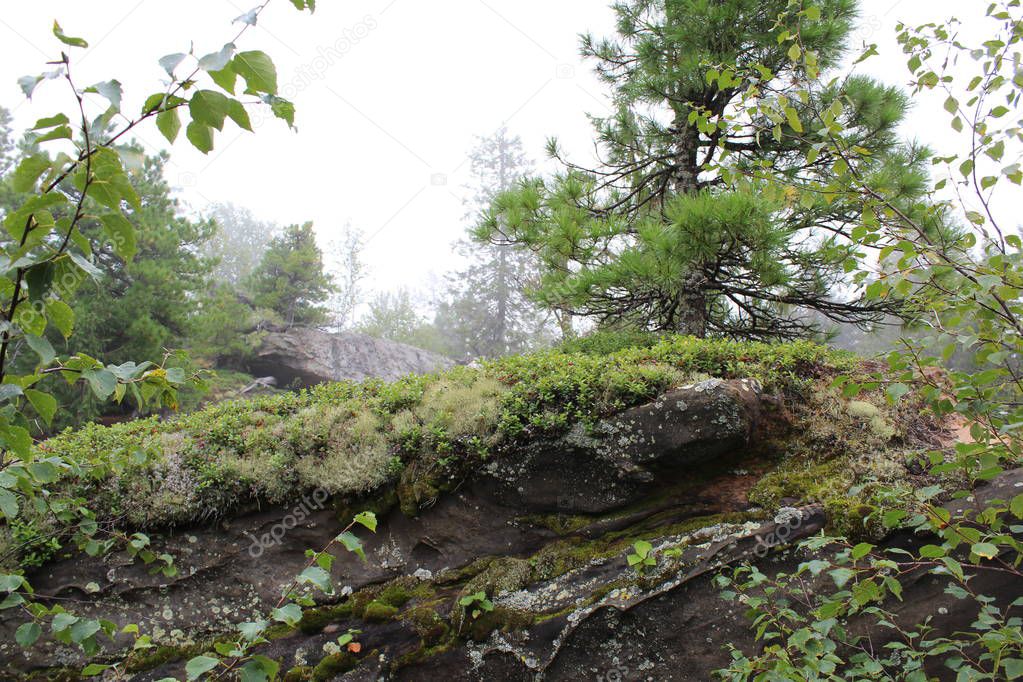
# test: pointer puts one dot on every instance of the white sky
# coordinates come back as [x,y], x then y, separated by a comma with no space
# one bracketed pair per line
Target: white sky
[390,94]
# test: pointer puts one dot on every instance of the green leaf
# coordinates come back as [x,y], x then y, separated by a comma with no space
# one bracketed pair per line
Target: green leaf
[51,121]
[86,266]
[39,277]
[58,133]
[18,439]
[111,90]
[109,184]
[42,347]
[317,576]
[861,550]
[793,119]
[225,78]
[171,61]
[896,391]
[258,70]
[352,544]
[94,669]
[209,107]
[83,629]
[813,13]
[236,110]
[121,233]
[199,666]
[10,392]
[985,550]
[28,171]
[215,61]
[369,520]
[27,634]
[259,669]
[283,109]
[44,403]
[44,472]
[201,136]
[8,504]
[101,381]
[795,52]
[841,576]
[289,613]
[1016,506]
[168,122]
[28,84]
[66,39]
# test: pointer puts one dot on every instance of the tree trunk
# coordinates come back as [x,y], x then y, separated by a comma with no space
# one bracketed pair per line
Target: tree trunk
[503,292]
[692,314]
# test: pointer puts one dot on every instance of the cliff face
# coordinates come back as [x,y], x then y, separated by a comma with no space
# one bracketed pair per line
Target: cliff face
[307,356]
[524,486]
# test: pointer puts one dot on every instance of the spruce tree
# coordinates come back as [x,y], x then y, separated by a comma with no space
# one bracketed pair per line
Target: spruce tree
[656,236]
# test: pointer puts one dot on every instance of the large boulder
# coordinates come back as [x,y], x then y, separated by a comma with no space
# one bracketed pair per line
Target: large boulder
[619,460]
[305,356]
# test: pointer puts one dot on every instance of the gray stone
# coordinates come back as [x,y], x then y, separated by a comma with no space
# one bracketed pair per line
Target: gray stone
[305,356]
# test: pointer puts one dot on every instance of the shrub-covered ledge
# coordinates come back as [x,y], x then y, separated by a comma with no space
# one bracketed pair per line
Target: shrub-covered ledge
[424,434]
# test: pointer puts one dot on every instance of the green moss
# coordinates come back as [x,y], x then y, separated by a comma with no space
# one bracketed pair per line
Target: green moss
[505,574]
[428,624]
[332,666]
[396,594]
[379,612]
[562,524]
[54,675]
[851,505]
[315,619]
[500,618]
[300,673]
[147,659]
[346,437]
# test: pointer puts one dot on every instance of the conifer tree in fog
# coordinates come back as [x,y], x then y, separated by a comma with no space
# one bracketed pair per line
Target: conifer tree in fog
[487,312]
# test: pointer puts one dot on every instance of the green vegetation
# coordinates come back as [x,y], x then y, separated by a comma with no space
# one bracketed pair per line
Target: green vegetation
[423,434]
[289,279]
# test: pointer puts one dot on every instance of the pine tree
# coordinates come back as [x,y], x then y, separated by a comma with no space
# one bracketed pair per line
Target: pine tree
[290,279]
[656,236]
[487,312]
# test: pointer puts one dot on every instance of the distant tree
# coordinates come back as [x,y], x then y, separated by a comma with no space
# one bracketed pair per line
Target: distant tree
[395,316]
[392,316]
[487,312]
[290,279]
[6,142]
[239,242]
[226,327]
[346,267]
[655,235]
[139,308]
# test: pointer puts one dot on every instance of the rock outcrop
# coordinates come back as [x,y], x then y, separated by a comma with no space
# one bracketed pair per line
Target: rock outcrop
[305,356]
[540,521]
